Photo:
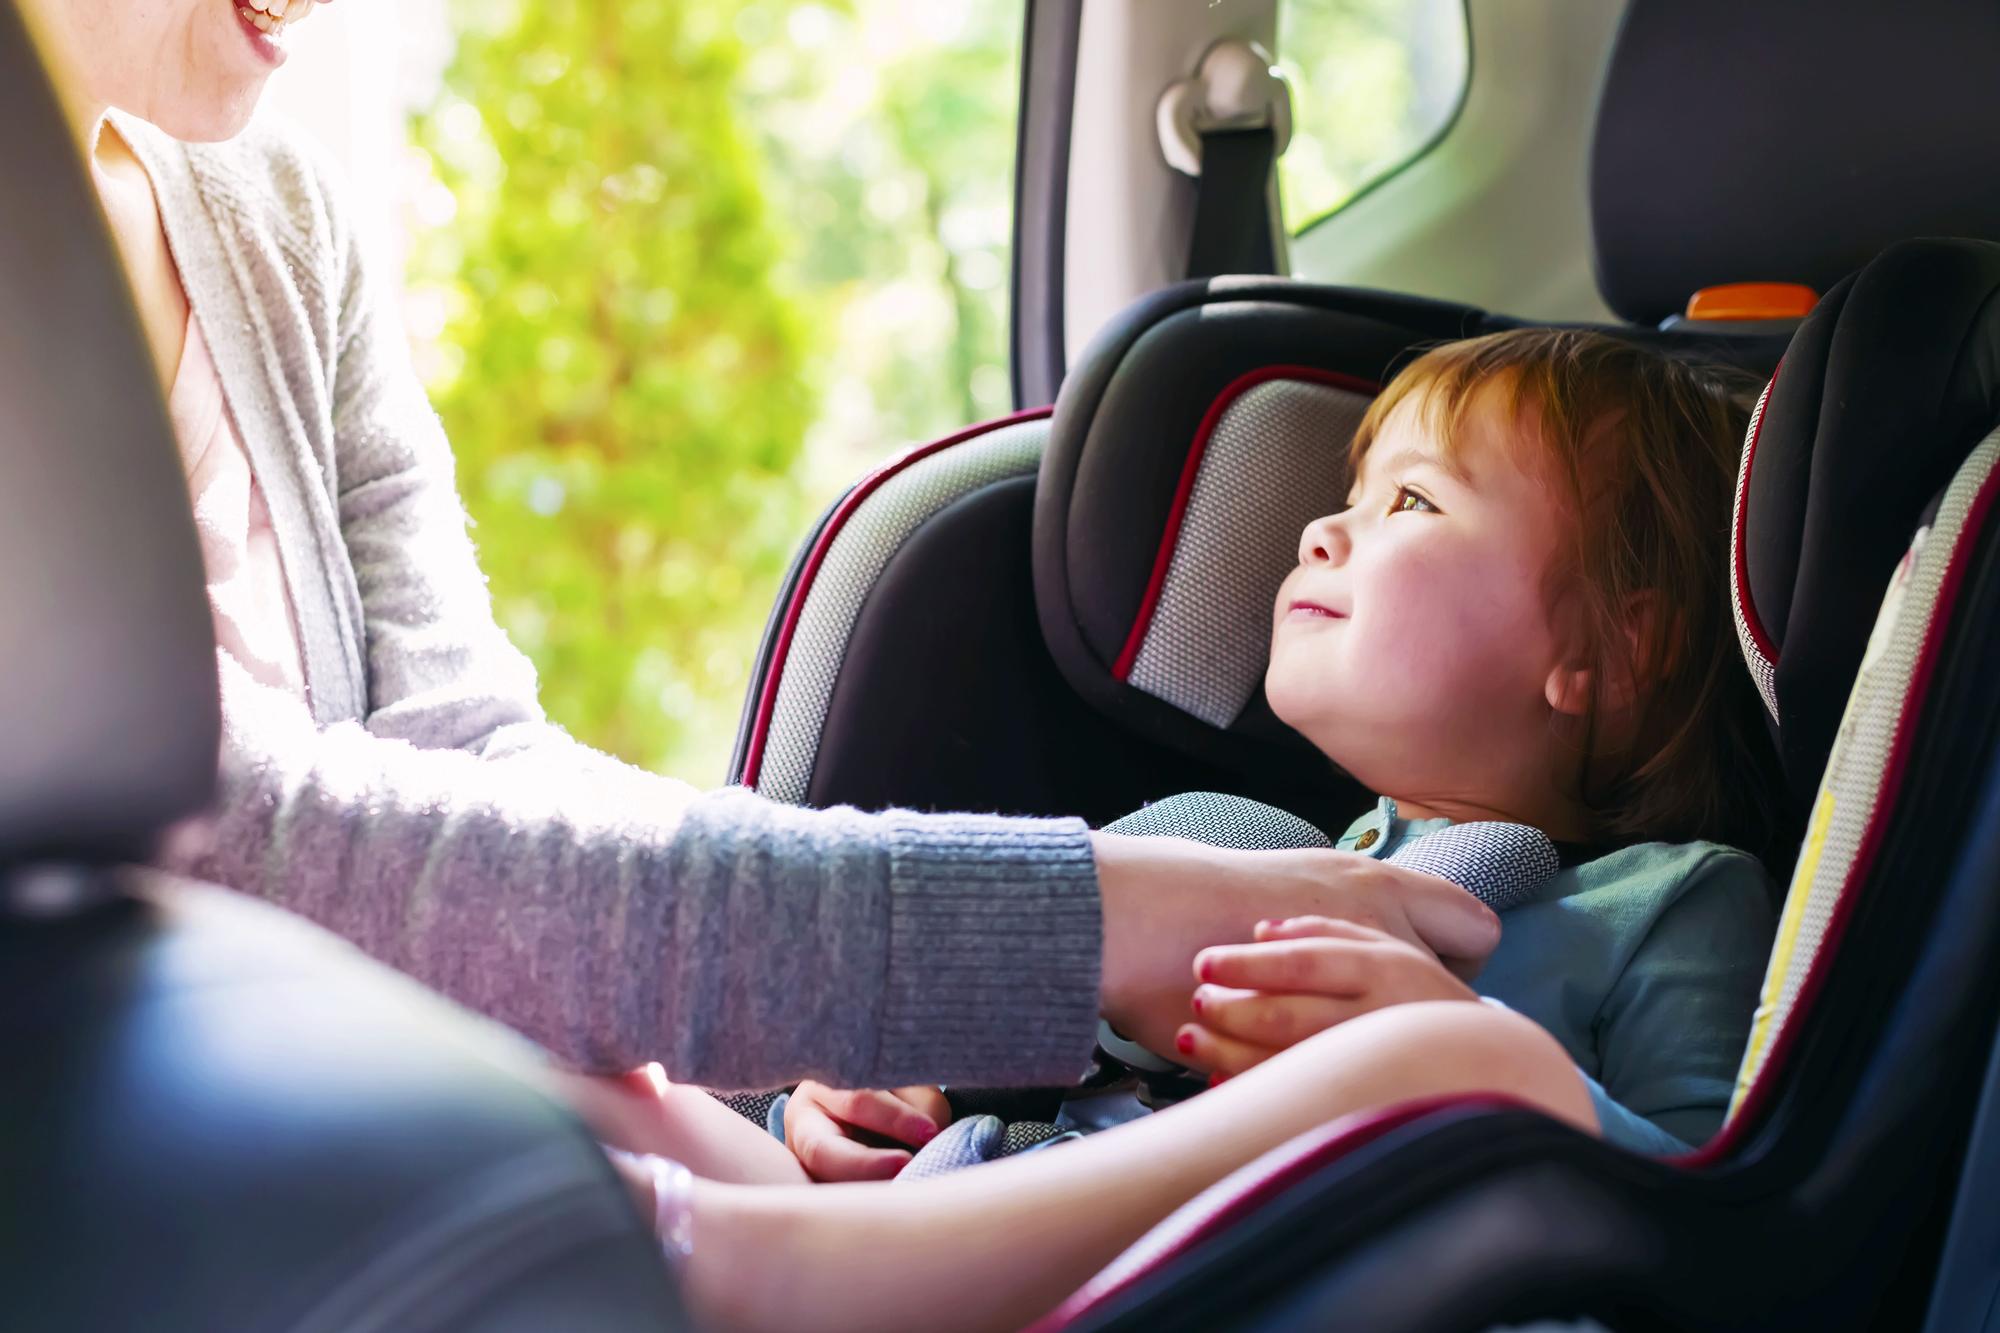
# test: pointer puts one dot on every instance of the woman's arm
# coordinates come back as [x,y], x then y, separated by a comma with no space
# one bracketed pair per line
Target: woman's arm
[615,915]
[739,942]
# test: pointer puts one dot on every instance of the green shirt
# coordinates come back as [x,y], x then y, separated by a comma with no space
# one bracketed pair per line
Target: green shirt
[1644,963]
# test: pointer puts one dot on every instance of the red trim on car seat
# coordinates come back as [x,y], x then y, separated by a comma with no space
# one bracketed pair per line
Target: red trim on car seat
[1739,558]
[1122,669]
[767,699]
[1757,1100]
[1248,1190]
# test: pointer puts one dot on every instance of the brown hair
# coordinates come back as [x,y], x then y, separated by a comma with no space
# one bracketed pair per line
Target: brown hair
[1642,449]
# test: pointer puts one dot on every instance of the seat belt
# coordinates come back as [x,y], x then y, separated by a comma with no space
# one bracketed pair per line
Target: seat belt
[1234,231]
[1226,125]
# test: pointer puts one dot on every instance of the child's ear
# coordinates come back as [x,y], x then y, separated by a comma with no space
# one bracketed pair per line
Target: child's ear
[1574,687]
[1568,688]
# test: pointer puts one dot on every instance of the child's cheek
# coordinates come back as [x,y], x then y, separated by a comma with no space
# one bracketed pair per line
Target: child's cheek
[1446,620]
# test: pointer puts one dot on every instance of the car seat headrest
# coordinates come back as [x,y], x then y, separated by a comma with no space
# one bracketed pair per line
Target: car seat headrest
[1885,389]
[1787,142]
[108,726]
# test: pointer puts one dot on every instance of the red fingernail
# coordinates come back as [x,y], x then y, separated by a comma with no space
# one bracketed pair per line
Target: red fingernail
[1217,1080]
[1197,1003]
[1184,1043]
[1205,969]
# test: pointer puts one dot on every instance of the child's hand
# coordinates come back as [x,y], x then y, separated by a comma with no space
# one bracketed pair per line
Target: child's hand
[1301,977]
[829,1129]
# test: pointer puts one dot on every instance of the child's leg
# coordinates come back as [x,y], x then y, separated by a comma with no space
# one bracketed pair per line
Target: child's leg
[996,1246]
[643,1112]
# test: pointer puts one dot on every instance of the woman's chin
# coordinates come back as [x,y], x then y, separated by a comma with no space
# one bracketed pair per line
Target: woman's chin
[214,119]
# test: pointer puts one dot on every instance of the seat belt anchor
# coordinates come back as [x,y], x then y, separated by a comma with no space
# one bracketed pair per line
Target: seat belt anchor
[1236,86]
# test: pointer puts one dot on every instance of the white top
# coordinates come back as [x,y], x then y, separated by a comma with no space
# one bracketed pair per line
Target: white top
[254,620]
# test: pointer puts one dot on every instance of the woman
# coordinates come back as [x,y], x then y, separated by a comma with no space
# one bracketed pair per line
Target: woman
[388,772]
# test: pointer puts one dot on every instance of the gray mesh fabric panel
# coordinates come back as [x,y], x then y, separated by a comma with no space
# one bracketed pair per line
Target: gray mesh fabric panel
[872,535]
[969,1142]
[1220,821]
[1499,863]
[752,1106]
[1276,461]
[1851,790]
[1762,669]
[1025,1134]
[974,1140]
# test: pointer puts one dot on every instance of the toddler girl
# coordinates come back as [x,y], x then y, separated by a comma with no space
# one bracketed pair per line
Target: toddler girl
[1520,615]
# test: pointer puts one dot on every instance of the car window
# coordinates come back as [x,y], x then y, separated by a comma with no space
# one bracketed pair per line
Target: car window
[676,274]
[1374,83]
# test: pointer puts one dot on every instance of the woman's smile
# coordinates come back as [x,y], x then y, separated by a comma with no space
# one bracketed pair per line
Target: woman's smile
[265,23]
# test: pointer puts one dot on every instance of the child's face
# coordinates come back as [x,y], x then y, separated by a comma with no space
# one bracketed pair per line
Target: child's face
[1413,643]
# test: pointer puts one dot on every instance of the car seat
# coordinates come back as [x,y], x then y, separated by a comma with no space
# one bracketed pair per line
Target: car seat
[1869,480]
[1209,403]
[213,1116]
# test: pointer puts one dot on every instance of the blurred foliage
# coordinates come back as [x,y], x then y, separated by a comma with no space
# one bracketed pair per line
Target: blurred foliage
[889,131]
[668,248]
[1373,81]
[682,270]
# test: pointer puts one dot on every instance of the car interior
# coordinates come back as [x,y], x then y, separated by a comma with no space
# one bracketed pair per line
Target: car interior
[1063,612]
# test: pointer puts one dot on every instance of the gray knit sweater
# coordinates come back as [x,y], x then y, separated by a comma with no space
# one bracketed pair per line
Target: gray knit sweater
[428,811]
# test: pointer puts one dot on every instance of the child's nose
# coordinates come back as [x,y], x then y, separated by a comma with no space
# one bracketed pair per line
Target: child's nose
[1323,542]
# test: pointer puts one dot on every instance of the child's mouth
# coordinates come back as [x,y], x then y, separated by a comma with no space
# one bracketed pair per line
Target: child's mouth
[1304,610]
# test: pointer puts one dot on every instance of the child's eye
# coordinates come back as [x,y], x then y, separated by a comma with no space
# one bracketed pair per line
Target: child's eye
[1408,501]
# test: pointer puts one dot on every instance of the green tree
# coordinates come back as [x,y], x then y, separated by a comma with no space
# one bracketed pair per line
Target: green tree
[622,365]
[889,129]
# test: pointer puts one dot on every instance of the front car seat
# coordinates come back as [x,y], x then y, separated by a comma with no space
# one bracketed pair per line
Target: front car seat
[213,1116]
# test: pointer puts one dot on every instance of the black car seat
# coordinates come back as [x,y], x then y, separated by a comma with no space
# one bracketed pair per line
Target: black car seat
[212,1115]
[1870,481]
[1777,110]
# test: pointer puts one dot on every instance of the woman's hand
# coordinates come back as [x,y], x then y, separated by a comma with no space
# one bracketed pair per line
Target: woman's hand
[1166,899]
[823,1127]
[1301,977]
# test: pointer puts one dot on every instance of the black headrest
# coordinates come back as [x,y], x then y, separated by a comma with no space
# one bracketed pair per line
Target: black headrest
[108,725]
[1886,388]
[1193,440]
[1788,142]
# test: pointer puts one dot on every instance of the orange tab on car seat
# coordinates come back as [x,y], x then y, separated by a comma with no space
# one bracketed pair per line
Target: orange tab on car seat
[1753,300]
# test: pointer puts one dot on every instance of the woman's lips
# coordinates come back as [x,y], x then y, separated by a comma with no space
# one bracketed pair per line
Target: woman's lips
[270,52]
[267,22]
